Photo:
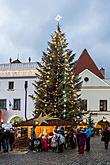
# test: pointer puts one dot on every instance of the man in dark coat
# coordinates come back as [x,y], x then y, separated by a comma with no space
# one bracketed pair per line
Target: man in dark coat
[6,137]
[88,136]
[106,137]
[11,139]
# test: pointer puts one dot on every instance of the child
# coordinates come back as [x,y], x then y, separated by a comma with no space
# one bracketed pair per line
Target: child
[45,143]
[54,143]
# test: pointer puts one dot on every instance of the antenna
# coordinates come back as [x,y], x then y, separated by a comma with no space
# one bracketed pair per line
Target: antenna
[18,56]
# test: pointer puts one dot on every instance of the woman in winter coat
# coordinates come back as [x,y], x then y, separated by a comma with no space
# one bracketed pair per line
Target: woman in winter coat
[82,141]
[45,143]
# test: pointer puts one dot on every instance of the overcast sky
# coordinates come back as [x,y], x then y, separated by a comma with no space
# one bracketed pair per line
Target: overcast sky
[26,27]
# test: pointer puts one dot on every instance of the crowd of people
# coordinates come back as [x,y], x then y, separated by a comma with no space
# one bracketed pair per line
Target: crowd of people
[6,139]
[59,140]
[62,139]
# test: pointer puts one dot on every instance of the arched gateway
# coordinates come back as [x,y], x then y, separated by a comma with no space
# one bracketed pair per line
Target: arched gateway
[102,124]
[15,119]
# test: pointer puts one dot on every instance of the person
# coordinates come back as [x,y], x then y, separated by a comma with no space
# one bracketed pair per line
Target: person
[71,139]
[33,138]
[88,136]
[66,139]
[82,140]
[62,131]
[45,143]
[54,143]
[78,137]
[38,144]
[106,137]
[6,137]
[11,139]
[61,142]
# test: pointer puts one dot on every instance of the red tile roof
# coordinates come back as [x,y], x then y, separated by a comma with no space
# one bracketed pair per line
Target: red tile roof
[86,62]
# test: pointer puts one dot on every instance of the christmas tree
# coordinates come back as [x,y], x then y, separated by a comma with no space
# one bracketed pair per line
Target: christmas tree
[57,85]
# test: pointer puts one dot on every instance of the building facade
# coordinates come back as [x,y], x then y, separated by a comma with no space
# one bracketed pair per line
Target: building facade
[15,90]
[16,87]
[95,92]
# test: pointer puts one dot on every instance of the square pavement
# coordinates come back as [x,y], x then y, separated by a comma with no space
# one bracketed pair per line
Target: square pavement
[97,156]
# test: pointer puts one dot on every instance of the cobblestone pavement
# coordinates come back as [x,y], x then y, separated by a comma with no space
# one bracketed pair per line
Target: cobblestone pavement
[97,156]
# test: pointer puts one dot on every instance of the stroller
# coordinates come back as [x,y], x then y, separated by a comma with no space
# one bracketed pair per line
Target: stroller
[38,144]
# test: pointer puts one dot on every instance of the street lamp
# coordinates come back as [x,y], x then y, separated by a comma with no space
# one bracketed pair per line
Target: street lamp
[90,120]
[104,119]
[26,86]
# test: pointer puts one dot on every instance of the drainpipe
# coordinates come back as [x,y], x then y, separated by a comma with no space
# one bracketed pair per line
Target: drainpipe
[26,86]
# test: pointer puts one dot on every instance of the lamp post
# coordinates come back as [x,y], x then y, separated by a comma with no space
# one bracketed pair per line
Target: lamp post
[26,86]
[90,120]
[104,119]
[105,123]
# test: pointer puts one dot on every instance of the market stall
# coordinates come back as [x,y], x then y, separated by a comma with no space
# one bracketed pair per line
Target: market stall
[44,127]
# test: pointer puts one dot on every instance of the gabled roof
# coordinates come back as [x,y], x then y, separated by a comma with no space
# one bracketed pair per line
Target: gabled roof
[94,80]
[15,61]
[86,62]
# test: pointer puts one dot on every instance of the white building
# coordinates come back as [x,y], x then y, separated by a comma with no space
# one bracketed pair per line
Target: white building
[95,92]
[14,101]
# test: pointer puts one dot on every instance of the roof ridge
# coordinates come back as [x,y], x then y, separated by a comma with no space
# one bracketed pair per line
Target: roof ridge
[86,62]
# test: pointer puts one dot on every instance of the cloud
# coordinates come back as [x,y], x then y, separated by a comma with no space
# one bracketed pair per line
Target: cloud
[26,26]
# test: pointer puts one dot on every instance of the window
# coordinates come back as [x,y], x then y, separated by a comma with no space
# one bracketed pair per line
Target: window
[11,85]
[16,104]
[86,79]
[2,103]
[103,105]
[84,104]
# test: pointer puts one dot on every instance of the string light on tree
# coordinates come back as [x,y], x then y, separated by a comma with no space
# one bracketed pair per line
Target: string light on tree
[65,100]
[55,75]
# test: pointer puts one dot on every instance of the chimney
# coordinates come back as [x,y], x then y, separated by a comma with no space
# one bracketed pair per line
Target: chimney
[29,59]
[102,70]
[10,60]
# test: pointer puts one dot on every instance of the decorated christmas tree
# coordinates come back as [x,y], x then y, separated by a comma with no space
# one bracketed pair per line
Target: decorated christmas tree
[57,85]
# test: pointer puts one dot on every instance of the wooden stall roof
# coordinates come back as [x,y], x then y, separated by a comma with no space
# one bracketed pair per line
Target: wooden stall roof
[52,122]
[103,124]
